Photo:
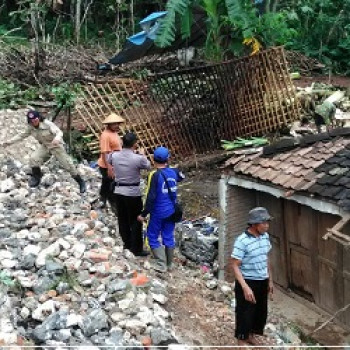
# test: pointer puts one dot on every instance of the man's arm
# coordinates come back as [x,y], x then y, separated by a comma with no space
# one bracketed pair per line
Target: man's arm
[108,159]
[248,293]
[180,175]
[151,195]
[270,276]
[55,130]
[17,138]
[144,163]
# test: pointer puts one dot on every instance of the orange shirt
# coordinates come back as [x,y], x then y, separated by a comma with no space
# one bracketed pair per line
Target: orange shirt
[109,142]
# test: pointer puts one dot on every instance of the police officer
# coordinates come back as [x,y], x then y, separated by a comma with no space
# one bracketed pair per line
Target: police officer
[127,165]
[50,138]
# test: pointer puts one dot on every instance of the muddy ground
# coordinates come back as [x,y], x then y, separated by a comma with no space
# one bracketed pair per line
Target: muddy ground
[201,316]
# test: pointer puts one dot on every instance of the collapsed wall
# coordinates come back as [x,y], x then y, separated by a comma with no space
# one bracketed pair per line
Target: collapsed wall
[191,110]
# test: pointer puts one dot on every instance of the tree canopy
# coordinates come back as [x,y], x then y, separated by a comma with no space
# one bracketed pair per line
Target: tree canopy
[317,28]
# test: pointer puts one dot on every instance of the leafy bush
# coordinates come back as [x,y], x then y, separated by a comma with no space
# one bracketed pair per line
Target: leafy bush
[12,96]
[66,94]
[322,31]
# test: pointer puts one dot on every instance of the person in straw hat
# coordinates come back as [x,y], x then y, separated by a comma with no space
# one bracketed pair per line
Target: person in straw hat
[109,142]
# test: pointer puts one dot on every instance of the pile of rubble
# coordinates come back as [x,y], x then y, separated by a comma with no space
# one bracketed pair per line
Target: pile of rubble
[53,65]
[198,240]
[65,278]
[315,94]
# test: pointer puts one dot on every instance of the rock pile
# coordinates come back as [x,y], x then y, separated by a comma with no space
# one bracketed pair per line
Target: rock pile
[13,122]
[65,278]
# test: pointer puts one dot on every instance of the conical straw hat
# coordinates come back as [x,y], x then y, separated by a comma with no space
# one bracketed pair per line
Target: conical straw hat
[113,118]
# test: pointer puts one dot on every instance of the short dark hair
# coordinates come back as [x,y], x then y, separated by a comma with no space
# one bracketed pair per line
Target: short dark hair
[129,139]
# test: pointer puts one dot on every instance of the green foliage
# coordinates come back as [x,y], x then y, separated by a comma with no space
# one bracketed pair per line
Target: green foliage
[317,28]
[274,30]
[229,23]
[306,339]
[140,74]
[79,149]
[240,143]
[12,96]
[269,29]
[66,94]
[70,278]
[167,24]
[322,31]
[214,48]
[7,283]
[186,23]
[242,16]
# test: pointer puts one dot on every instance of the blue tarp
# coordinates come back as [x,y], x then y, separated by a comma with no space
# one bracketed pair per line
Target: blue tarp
[150,27]
[142,43]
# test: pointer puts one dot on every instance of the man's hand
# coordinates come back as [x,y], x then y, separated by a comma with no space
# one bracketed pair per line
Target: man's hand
[110,172]
[249,295]
[140,218]
[271,289]
[55,142]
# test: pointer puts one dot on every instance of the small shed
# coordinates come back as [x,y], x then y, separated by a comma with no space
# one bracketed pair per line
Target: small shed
[305,184]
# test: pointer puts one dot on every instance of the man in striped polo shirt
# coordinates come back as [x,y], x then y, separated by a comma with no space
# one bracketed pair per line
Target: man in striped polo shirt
[251,267]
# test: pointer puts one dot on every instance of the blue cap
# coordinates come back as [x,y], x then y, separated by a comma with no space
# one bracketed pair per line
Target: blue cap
[161,154]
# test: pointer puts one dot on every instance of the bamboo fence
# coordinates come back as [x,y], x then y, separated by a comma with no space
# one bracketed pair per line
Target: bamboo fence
[191,110]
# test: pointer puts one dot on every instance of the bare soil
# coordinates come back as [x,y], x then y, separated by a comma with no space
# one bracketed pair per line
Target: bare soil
[200,315]
[199,193]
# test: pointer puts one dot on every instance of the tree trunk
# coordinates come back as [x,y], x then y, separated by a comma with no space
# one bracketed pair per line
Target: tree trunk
[77,20]
[34,24]
[132,19]
[274,5]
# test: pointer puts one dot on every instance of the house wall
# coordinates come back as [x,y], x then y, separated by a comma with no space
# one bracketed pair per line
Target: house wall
[238,203]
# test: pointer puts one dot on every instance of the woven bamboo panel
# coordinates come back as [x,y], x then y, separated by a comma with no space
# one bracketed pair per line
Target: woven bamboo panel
[191,110]
[128,98]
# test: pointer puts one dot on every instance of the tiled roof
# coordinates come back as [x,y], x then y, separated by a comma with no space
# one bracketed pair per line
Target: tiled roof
[316,165]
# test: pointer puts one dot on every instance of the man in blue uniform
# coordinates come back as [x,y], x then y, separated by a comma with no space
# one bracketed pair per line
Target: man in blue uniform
[252,270]
[160,204]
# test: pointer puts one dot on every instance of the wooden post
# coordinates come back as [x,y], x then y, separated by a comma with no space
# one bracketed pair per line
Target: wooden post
[69,127]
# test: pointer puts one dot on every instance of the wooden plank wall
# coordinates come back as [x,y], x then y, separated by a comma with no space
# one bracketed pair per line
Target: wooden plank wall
[317,269]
